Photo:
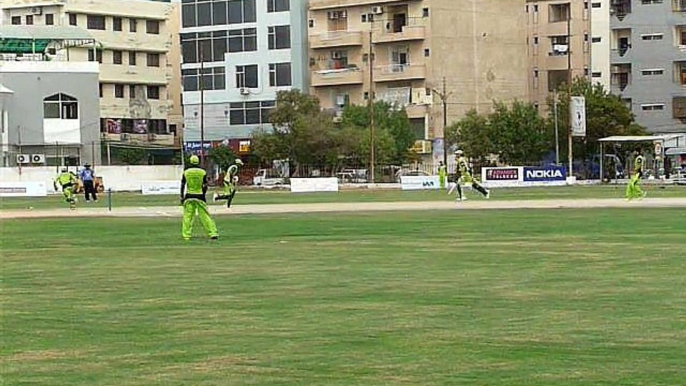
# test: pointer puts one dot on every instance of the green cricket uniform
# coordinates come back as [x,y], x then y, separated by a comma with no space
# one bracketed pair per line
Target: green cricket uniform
[465,171]
[229,185]
[442,174]
[633,190]
[193,191]
[67,182]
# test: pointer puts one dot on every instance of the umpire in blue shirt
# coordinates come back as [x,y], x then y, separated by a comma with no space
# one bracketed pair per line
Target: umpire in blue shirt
[87,176]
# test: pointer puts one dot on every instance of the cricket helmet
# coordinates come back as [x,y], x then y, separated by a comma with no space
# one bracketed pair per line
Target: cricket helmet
[64,169]
[238,162]
[459,152]
[194,160]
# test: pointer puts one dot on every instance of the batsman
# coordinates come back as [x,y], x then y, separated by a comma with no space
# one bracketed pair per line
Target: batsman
[193,192]
[230,183]
[67,181]
[466,178]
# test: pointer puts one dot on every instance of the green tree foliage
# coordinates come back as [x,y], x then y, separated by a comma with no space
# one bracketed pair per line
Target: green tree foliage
[131,156]
[606,115]
[516,134]
[222,156]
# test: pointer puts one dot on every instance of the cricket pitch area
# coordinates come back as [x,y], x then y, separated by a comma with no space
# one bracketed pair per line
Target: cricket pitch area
[522,292]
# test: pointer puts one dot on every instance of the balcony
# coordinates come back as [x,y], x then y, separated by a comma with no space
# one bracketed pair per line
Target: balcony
[401,30]
[316,5]
[620,55]
[620,78]
[345,76]
[679,5]
[399,72]
[680,73]
[620,8]
[141,139]
[336,39]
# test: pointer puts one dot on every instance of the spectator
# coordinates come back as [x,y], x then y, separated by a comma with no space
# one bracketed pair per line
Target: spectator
[87,176]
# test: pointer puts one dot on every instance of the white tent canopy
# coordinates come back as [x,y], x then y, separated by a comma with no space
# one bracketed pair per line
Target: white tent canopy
[637,138]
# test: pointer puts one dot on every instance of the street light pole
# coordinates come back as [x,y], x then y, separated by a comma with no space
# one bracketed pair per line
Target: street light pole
[371,110]
[444,95]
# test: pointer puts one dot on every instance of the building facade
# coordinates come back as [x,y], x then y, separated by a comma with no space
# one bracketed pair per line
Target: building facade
[403,52]
[50,113]
[560,45]
[136,86]
[236,56]
[648,41]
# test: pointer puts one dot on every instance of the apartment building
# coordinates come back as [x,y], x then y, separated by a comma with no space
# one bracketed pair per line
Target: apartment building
[560,44]
[135,55]
[49,109]
[648,41]
[236,56]
[402,51]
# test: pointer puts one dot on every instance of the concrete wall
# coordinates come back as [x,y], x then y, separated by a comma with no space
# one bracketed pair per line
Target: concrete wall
[118,178]
[32,82]
[600,51]
[653,54]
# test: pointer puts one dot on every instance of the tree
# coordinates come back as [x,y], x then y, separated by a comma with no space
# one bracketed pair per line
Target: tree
[393,136]
[222,156]
[606,115]
[518,133]
[131,156]
[471,134]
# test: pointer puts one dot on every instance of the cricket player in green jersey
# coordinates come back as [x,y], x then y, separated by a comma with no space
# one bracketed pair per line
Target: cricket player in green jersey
[230,183]
[193,191]
[634,191]
[442,175]
[465,173]
[67,181]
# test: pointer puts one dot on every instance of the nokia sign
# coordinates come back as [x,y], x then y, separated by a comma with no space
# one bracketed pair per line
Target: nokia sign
[545,174]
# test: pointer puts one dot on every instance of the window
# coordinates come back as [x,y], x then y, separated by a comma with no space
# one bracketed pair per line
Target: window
[243,40]
[279,37]
[219,46]
[596,39]
[116,23]
[132,91]
[679,107]
[188,15]
[72,19]
[16,20]
[280,74]
[132,58]
[152,27]
[597,74]
[212,79]
[49,19]
[311,23]
[596,5]
[95,22]
[364,18]
[95,56]
[647,2]
[29,19]
[242,11]
[116,57]
[133,25]
[118,91]
[220,13]
[654,71]
[250,113]
[153,92]
[427,52]
[653,107]
[246,76]
[425,12]
[657,36]
[559,45]
[100,89]
[278,5]
[60,106]
[153,60]
[558,12]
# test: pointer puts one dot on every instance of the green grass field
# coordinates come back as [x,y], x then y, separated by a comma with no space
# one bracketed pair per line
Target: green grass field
[272,197]
[558,297]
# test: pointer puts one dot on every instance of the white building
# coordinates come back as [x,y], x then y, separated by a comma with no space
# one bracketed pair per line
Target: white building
[248,50]
[600,36]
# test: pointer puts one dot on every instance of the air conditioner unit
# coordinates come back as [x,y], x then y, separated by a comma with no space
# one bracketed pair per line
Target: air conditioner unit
[37,10]
[37,158]
[244,91]
[377,10]
[23,159]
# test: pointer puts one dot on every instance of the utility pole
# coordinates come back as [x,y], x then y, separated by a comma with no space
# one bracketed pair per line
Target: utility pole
[444,95]
[202,107]
[557,135]
[569,86]
[371,110]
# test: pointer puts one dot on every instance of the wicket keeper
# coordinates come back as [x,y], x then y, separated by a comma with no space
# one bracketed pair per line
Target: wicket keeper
[230,183]
[193,191]
[465,176]
[67,181]
[633,190]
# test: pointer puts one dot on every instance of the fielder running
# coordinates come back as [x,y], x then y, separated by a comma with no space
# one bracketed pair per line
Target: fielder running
[67,181]
[465,177]
[230,183]
[193,191]
[633,190]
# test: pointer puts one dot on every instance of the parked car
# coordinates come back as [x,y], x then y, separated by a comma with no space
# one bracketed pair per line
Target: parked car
[404,173]
[352,176]
[263,178]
